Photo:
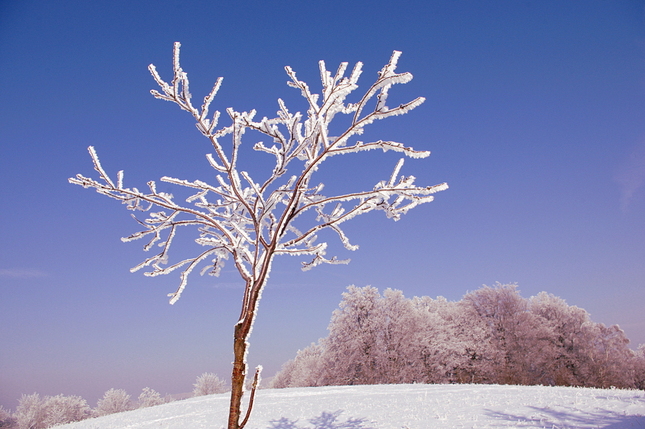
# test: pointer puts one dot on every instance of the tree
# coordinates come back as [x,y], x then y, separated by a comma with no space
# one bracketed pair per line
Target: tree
[113,401]
[36,413]
[639,368]
[452,342]
[149,398]
[208,384]
[30,413]
[398,361]
[305,370]
[62,409]
[254,221]
[517,334]
[570,339]
[6,419]
[352,344]
[610,360]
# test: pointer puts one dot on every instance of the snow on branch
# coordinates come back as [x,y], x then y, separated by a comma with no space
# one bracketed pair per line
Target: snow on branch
[250,220]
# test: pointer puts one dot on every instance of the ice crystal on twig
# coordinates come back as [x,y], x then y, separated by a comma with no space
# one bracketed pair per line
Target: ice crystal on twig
[249,220]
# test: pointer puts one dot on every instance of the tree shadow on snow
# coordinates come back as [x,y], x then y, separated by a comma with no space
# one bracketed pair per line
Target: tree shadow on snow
[324,421]
[605,419]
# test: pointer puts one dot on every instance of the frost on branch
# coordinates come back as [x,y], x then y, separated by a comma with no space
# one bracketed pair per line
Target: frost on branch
[251,221]
[248,221]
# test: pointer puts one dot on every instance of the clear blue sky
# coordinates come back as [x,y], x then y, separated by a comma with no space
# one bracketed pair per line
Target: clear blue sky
[535,115]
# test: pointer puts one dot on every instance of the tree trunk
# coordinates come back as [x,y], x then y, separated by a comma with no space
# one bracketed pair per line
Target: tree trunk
[241,334]
[238,375]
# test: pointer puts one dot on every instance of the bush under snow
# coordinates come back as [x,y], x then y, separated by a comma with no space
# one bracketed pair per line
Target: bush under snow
[36,413]
[208,384]
[113,401]
[150,398]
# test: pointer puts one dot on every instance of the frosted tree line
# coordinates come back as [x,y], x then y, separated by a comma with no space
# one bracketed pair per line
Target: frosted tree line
[492,335]
[36,412]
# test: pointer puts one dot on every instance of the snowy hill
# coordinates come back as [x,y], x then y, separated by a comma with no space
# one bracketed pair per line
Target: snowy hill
[399,407]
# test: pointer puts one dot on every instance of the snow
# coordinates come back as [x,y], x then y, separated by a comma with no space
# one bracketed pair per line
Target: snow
[402,406]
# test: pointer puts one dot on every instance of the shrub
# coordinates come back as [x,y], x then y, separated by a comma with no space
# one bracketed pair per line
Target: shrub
[6,420]
[36,413]
[208,384]
[30,413]
[61,409]
[150,398]
[113,401]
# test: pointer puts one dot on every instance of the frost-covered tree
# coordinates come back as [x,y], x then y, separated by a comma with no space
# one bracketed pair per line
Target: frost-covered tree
[7,421]
[610,361]
[371,340]
[113,401]
[452,342]
[208,384]
[352,344]
[569,339]
[30,413]
[397,361]
[516,334]
[582,352]
[149,398]
[307,369]
[639,368]
[253,220]
[493,335]
[36,413]
[61,409]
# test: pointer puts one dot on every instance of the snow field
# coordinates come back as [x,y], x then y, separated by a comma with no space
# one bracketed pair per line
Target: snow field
[412,406]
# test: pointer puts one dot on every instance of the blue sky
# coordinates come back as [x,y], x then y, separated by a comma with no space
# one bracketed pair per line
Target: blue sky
[535,115]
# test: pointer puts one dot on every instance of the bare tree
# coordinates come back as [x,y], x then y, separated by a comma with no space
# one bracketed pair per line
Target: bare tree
[251,221]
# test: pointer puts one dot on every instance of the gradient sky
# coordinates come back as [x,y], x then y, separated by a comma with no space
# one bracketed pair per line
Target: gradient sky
[535,115]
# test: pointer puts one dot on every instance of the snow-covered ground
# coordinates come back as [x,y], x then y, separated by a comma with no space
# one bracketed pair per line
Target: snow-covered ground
[399,406]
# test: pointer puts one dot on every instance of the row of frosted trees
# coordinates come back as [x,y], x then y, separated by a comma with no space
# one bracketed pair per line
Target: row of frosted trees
[493,335]
[36,412]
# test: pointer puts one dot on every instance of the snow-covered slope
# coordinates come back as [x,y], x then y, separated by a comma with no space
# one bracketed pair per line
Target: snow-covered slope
[399,406]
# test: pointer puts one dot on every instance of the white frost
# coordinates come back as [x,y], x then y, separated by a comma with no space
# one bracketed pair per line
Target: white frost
[253,221]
